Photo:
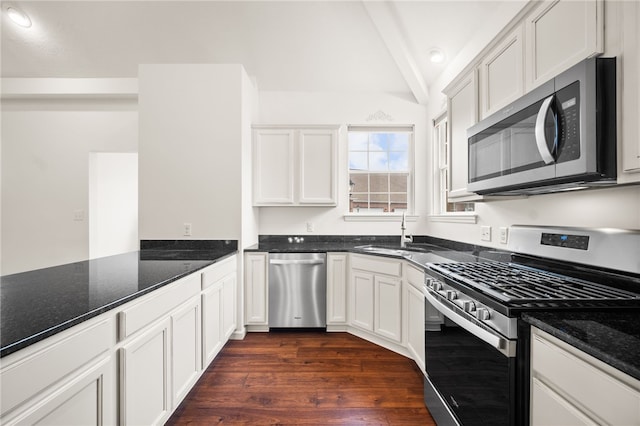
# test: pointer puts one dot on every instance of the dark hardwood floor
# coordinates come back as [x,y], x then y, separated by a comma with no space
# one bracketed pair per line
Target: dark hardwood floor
[306,377]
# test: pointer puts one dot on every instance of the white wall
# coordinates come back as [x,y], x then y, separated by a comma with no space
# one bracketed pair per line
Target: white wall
[113,203]
[45,174]
[301,108]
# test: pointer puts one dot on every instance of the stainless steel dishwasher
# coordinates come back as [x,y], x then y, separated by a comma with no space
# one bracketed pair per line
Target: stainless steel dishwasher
[297,290]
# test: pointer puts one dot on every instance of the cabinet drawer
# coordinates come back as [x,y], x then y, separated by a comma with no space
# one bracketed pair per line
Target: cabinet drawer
[415,276]
[584,381]
[217,271]
[52,364]
[377,265]
[157,304]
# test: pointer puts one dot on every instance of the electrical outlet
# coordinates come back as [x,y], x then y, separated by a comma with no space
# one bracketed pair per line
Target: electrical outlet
[78,215]
[504,234]
[309,226]
[187,230]
[485,233]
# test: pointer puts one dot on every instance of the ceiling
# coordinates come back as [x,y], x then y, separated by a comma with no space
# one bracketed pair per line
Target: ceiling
[285,45]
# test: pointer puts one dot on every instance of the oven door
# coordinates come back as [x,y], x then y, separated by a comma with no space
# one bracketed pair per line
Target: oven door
[470,370]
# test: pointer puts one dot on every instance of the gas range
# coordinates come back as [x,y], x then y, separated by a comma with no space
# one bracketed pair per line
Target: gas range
[480,346]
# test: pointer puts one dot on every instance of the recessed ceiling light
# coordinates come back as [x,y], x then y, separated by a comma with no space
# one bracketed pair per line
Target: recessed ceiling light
[436,56]
[18,17]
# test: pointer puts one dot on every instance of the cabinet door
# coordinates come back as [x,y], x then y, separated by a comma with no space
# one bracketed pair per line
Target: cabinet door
[502,74]
[211,323]
[388,307]
[415,325]
[273,167]
[336,288]
[256,276]
[186,348]
[463,113]
[228,306]
[630,91]
[318,173]
[548,408]
[83,400]
[561,33]
[145,397]
[362,293]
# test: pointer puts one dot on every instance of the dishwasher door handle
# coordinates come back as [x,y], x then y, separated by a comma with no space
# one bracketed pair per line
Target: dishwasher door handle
[296,262]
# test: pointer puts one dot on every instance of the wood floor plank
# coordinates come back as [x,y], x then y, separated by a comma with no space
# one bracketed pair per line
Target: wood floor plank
[306,378]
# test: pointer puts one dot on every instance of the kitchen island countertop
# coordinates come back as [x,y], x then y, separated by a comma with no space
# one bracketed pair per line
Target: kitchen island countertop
[610,336]
[40,303]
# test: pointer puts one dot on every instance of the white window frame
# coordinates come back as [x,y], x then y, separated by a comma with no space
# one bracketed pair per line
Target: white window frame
[390,216]
[441,157]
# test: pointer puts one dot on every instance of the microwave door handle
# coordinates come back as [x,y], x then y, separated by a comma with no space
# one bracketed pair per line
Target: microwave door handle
[503,345]
[541,139]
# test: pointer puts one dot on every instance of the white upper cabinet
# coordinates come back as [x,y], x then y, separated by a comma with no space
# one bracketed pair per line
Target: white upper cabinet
[295,166]
[462,106]
[501,73]
[630,92]
[273,166]
[561,33]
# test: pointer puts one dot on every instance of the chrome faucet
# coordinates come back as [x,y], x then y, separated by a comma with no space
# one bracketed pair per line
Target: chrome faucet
[403,238]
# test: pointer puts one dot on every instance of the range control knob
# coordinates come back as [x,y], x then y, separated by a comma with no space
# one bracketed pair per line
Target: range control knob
[483,314]
[437,285]
[452,294]
[428,282]
[469,306]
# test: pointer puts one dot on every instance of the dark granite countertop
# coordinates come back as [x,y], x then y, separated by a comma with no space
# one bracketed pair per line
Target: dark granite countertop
[610,336]
[37,304]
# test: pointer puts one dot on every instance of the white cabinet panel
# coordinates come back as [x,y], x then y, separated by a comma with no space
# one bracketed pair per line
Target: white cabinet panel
[256,296]
[318,174]
[273,166]
[630,152]
[211,323]
[502,73]
[388,308]
[561,33]
[337,275]
[186,362]
[552,410]
[415,325]
[462,114]
[362,297]
[145,397]
[228,306]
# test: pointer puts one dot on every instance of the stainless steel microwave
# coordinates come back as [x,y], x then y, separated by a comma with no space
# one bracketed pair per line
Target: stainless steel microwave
[559,136]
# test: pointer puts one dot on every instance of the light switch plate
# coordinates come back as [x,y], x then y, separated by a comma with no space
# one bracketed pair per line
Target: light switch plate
[504,235]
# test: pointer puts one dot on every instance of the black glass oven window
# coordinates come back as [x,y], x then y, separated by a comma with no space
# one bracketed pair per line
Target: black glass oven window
[580,242]
[474,378]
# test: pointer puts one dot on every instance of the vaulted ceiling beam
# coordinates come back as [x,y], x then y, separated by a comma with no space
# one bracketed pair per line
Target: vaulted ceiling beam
[383,18]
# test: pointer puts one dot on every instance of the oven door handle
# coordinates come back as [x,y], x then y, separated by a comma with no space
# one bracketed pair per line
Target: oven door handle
[505,346]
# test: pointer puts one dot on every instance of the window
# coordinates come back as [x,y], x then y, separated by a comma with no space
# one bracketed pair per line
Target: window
[380,169]
[440,202]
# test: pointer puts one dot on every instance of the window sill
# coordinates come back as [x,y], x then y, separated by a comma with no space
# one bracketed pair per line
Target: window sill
[454,217]
[366,217]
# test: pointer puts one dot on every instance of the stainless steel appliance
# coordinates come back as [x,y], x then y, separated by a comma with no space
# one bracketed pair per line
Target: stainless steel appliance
[477,363]
[561,135]
[297,290]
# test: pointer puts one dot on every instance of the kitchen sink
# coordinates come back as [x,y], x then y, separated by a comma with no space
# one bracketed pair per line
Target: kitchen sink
[384,250]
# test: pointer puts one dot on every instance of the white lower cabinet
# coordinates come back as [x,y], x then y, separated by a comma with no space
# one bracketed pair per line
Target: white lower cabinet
[186,349]
[570,387]
[414,314]
[145,389]
[256,274]
[212,340]
[337,277]
[376,296]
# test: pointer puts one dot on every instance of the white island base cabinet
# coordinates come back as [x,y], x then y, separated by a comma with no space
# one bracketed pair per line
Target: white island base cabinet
[570,387]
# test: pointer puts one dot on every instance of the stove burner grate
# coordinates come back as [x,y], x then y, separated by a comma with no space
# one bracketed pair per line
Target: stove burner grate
[511,282]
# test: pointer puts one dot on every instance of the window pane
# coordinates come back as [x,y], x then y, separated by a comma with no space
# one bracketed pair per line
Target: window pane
[379,141]
[399,142]
[398,161]
[378,161]
[358,161]
[398,183]
[361,182]
[358,141]
[379,183]
[380,201]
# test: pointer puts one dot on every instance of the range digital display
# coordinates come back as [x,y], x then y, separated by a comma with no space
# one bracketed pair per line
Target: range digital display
[579,242]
